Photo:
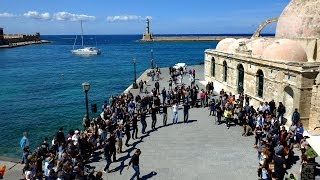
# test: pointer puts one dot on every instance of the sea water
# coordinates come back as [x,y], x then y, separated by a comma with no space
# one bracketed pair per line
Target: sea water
[40,86]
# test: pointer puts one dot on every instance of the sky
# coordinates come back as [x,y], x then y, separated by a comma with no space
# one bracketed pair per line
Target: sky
[58,17]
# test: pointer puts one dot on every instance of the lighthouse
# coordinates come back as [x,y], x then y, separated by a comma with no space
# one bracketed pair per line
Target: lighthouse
[147,36]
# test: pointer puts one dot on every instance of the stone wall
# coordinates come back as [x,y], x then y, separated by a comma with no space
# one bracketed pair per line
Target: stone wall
[282,83]
[314,120]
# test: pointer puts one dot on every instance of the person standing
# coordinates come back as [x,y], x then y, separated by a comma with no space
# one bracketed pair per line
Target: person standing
[60,136]
[170,84]
[135,164]
[134,127]
[112,143]
[107,156]
[141,86]
[212,107]
[157,86]
[175,113]
[24,143]
[295,117]
[127,132]
[119,138]
[227,116]
[153,117]
[143,120]
[186,108]
[164,95]
[281,110]
[165,114]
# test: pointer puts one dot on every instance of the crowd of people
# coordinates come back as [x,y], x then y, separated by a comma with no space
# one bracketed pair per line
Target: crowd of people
[274,143]
[66,157]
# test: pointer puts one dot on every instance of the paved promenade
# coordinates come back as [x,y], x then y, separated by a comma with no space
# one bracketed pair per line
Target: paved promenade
[199,150]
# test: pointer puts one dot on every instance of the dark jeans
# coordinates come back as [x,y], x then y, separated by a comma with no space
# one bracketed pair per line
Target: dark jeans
[144,125]
[185,117]
[135,132]
[257,138]
[154,121]
[108,159]
[113,153]
[165,118]
[136,169]
[128,137]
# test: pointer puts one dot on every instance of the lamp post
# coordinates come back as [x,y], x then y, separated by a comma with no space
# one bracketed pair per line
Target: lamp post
[151,61]
[86,87]
[134,85]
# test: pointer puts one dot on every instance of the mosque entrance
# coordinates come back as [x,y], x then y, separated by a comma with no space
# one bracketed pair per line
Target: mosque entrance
[240,78]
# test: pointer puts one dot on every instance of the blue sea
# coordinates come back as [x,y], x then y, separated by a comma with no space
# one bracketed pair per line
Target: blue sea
[40,87]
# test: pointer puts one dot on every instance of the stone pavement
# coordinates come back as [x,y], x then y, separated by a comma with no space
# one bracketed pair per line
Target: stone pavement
[199,150]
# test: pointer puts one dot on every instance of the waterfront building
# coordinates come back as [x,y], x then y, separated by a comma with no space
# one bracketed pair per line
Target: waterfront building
[284,68]
[1,36]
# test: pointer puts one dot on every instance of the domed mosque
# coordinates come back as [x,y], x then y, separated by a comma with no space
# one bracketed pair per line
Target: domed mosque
[284,68]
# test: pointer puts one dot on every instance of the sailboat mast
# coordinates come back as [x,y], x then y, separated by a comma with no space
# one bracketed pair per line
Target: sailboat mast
[81,34]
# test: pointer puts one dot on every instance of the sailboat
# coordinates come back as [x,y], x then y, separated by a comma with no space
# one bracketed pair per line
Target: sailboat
[85,50]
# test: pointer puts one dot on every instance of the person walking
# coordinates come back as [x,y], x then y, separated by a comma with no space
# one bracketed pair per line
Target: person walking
[107,156]
[175,113]
[186,108]
[135,164]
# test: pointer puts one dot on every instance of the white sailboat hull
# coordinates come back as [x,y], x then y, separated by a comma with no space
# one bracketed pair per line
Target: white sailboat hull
[87,51]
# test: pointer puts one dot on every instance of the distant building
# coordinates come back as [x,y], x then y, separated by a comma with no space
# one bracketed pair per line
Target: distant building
[284,68]
[147,36]
[1,36]
[7,39]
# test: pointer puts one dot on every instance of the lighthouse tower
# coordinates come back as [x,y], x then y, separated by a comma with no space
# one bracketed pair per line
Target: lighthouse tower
[147,36]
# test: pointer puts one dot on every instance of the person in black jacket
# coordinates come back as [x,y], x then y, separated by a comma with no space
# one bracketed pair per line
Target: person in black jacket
[60,137]
[135,164]
[107,156]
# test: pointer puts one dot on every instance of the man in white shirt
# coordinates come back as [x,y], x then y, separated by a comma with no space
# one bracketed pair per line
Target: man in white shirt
[175,113]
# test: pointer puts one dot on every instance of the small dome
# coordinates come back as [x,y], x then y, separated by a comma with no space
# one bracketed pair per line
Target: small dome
[285,50]
[300,19]
[257,46]
[232,48]
[224,44]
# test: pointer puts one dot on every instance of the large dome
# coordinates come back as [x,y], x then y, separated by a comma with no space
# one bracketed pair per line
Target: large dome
[224,44]
[257,46]
[300,19]
[285,50]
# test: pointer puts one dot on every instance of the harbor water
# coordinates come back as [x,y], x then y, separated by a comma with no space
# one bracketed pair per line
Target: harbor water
[40,86]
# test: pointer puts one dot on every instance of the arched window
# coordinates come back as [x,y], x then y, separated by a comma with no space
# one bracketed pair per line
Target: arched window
[213,67]
[260,79]
[225,71]
[240,78]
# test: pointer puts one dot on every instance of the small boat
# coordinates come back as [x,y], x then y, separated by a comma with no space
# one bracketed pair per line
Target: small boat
[85,50]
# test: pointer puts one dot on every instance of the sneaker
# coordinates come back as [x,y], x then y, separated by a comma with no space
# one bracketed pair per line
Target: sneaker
[228,127]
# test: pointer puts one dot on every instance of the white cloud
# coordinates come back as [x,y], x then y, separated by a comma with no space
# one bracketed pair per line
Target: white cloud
[7,15]
[127,18]
[37,15]
[65,16]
